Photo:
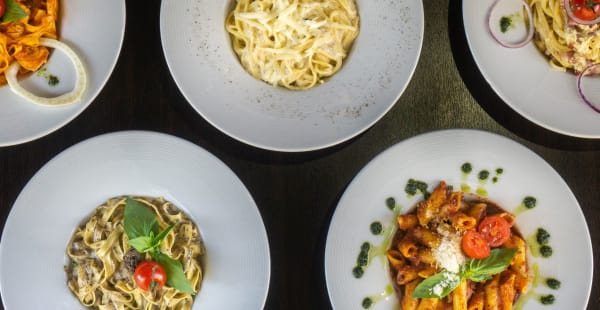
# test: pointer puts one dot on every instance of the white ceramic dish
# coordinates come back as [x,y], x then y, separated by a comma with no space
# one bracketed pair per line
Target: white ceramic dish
[206,70]
[94,29]
[69,187]
[439,156]
[524,80]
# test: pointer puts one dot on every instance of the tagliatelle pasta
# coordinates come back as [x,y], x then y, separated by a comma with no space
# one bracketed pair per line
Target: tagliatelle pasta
[293,43]
[102,262]
[20,39]
[569,46]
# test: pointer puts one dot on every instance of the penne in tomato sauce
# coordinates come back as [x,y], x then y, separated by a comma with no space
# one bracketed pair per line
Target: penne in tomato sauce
[458,251]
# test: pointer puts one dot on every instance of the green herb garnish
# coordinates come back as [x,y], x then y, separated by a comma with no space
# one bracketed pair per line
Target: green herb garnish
[12,12]
[478,270]
[142,229]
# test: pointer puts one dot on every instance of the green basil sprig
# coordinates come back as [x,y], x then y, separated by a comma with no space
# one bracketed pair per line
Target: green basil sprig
[478,270]
[12,12]
[141,227]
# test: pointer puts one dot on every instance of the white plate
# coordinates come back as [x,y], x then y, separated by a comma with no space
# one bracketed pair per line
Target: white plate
[439,156]
[525,81]
[69,187]
[206,70]
[94,29]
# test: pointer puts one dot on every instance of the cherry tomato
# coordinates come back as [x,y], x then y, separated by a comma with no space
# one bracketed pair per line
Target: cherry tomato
[584,13]
[150,275]
[474,245]
[2,8]
[495,230]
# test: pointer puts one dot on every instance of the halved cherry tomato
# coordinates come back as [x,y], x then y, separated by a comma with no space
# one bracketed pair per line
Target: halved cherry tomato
[584,13]
[474,245]
[495,230]
[150,275]
[2,8]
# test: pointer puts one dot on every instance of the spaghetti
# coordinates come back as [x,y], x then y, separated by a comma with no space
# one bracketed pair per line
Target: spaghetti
[102,262]
[293,43]
[569,46]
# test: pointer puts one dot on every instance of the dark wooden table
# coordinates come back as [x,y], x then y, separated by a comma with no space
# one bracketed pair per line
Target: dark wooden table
[298,192]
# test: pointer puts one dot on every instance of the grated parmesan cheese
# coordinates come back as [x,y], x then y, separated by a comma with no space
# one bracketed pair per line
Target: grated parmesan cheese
[449,253]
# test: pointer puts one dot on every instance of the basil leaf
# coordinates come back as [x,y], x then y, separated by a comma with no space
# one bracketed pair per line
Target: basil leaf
[156,240]
[482,269]
[437,286]
[12,12]
[175,276]
[138,220]
[142,244]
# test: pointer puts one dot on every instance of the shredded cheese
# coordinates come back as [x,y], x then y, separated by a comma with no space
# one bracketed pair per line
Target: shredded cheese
[449,254]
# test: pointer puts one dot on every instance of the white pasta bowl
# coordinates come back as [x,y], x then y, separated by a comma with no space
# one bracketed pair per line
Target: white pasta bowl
[438,156]
[374,75]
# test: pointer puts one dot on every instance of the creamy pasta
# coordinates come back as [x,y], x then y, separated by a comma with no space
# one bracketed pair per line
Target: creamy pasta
[293,43]
[102,262]
[569,46]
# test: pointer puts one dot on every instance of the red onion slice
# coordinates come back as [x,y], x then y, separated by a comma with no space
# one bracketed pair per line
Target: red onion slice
[589,70]
[530,29]
[567,5]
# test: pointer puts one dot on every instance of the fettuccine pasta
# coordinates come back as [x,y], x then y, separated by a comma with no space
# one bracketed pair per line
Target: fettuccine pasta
[569,46]
[20,40]
[102,262]
[293,43]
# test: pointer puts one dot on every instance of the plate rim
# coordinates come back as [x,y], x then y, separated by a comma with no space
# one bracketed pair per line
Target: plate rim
[307,148]
[83,105]
[483,71]
[147,135]
[456,131]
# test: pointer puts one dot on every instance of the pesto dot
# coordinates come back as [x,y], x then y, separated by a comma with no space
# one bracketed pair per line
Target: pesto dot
[358,272]
[546,250]
[505,23]
[376,228]
[495,179]
[542,236]
[363,258]
[367,303]
[53,80]
[365,247]
[553,283]
[390,203]
[547,299]
[483,175]
[466,168]
[411,187]
[529,202]
[499,171]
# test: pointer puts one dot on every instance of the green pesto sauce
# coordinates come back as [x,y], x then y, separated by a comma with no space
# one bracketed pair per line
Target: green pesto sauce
[499,171]
[547,299]
[483,175]
[376,228]
[539,249]
[368,251]
[413,186]
[495,180]
[466,168]
[369,301]
[50,78]
[390,202]
[506,24]
[553,283]
[528,203]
